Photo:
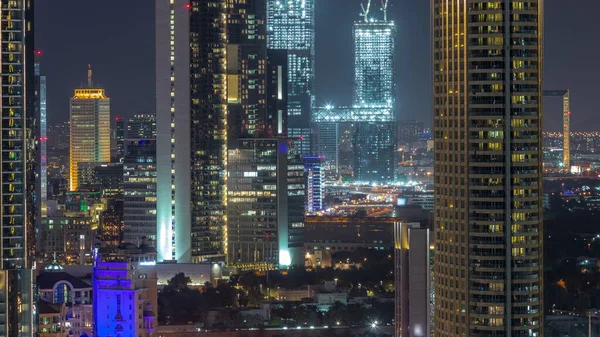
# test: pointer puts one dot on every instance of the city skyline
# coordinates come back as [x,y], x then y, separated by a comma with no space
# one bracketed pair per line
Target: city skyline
[386,160]
[129,83]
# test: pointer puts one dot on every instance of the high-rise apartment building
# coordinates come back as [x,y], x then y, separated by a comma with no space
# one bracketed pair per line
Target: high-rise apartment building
[90,128]
[487,63]
[17,168]
[291,27]
[218,49]
[374,141]
[139,179]
[265,209]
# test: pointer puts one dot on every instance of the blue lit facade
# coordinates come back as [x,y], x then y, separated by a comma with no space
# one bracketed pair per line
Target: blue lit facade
[125,295]
[315,183]
[374,141]
[291,26]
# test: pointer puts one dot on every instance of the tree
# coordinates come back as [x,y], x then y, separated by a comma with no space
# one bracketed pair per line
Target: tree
[179,282]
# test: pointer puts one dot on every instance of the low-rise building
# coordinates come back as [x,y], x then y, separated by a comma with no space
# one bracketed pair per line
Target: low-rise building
[199,273]
[56,287]
[325,235]
[125,292]
[51,319]
[67,238]
[326,300]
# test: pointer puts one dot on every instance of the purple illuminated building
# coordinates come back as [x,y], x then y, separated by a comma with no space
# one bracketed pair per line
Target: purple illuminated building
[125,293]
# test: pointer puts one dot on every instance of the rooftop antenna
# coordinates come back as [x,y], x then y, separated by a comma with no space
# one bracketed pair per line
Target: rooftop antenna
[365,11]
[384,4]
[89,75]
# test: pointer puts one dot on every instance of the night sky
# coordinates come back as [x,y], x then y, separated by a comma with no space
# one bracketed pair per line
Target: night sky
[117,38]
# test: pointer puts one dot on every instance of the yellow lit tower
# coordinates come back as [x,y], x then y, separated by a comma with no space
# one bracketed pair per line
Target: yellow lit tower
[90,128]
[487,76]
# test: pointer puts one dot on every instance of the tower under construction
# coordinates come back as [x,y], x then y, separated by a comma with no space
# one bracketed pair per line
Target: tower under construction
[373,109]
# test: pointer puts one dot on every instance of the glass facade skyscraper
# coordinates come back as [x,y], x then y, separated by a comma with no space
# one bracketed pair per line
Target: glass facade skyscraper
[291,26]
[487,81]
[216,82]
[374,141]
[265,211]
[191,112]
[139,179]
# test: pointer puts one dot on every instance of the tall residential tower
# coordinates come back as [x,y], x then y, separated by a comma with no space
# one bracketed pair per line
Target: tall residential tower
[487,78]
[17,169]
[90,128]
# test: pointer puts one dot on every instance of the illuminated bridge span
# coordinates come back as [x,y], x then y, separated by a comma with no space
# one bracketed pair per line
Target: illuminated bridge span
[330,114]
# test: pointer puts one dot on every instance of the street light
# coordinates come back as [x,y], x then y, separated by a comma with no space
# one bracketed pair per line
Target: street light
[590,313]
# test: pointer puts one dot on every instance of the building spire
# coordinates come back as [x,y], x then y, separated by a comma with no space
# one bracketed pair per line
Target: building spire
[89,75]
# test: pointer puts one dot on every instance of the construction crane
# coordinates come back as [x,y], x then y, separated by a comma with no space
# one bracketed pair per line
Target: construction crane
[384,4]
[365,10]
[566,124]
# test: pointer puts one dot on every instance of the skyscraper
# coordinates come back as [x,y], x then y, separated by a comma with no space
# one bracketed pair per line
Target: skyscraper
[42,138]
[487,63]
[17,169]
[191,110]
[374,141]
[216,82]
[291,26]
[139,179]
[90,128]
[119,140]
[255,76]
[266,203]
